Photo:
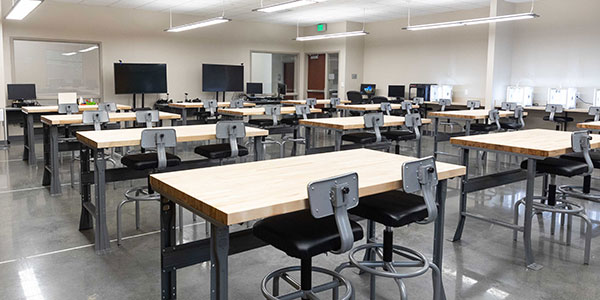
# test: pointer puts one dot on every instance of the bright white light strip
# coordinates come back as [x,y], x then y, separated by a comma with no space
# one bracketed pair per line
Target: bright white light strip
[330,36]
[505,18]
[88,49]
[285,6]
[69,53]
[198,24]
[22,8]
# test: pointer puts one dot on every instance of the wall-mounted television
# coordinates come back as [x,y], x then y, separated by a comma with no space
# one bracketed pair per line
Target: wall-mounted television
[140,78]
[222,78]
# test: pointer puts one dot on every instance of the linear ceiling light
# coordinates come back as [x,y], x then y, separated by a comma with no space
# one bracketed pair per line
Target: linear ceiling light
[204,23]
[331,36]
[22,8]
[504,18]
[88,49]
[285,5]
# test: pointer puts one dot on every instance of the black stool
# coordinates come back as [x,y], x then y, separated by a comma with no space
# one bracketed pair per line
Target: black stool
[372,120]
[413,123]
[305,234]
[554,109]
[397,209]
[301,113]
[152,162]
[231,131]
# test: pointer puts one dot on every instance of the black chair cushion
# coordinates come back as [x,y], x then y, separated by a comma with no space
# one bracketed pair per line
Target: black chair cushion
[394,208]
[363,138]
[290,121]
[595,156]
[512,125]
[399,135]
[261,122]
[219,151]
[145,161]
[558,166]
[482,127]
[300,235]
[559,119]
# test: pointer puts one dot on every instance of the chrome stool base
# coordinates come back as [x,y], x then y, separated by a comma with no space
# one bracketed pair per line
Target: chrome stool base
[136,195]
[282,274]
[577,192]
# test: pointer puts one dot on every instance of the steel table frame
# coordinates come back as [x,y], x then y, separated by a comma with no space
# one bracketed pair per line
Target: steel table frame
[93,215]
[223,243]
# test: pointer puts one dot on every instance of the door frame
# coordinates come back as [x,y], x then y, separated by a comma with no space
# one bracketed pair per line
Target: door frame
[297,72]
[327,53]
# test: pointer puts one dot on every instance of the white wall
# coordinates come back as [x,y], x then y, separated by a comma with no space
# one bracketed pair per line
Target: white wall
[262,70]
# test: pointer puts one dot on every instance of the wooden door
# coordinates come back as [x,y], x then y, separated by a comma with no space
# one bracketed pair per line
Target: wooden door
[316,76]
[289,78]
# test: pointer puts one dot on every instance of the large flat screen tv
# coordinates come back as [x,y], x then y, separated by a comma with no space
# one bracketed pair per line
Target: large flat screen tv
[140,78]
[222,78]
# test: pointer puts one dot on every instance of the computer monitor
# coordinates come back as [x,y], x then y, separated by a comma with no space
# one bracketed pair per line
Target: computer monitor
[281,89]
[396,91]
[21,91]
[367,89]
[253,88]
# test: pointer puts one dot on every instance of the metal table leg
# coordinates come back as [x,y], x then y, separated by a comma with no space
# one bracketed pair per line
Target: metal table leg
[102,244]
[219,252]
[184,116]
[463,197]
[85,221]
[168,277]
[436,124]
[529,257]
[438,236]
[55,188]
[308,137]
[28,131]
[338,140]
[259,153]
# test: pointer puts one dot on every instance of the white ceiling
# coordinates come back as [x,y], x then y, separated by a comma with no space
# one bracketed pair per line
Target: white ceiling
[325,12]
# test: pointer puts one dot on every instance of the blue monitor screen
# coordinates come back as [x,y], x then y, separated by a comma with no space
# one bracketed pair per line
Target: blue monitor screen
[367,89]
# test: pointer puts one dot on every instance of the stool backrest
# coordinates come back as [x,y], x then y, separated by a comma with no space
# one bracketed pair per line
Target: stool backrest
[231,130]
[210,106]
[386,107]
[445,102]
[374,120]
[274,111]
[96,117]
[109,106]
[494,117]
[303,110]
[159,139]
[68,108]
[413,122]
[335,196]
[553,109]
[236,103]
[473,104]
[334,102]
[519,114]
[147,117]
[418,100]
[406,106]
[580,142]
[508,106]
[311,102]
[421,175]
[594,111]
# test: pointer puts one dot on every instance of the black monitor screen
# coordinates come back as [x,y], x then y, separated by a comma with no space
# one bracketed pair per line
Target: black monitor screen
[396,91]
[254,88]
[367,89]
[140,78]
[21,92]
[222,78]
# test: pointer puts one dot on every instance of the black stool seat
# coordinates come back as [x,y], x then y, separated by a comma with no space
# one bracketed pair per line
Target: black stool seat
[511,125]
[559,119]
[219,151]
[261,122]
[360,138]
[558,166]
[589,120]
[290,121]
[595,156]
[482,127]
[399,135]
[394,208]
[145,161]
[300,235]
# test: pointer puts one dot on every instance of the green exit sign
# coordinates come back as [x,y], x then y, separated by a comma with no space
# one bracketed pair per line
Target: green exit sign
[321,27]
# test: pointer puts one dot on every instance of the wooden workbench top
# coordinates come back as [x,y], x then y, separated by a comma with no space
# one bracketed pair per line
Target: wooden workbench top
[369,107]
[113,117]
[569,110]
[54,108]
[260,111]
[131,137]
[589,125]
[348,123]
[278,186]
[475,114]
[201,105]
[319,102]
[531,142]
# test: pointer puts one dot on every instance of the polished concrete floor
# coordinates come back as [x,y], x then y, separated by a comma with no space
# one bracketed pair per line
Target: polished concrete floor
[44,256]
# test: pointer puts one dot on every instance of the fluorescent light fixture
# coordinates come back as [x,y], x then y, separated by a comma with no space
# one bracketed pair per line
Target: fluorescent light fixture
[22,8]
[331,36]
[88,49]
[504,18]
[204,23]
[69,53]
[285,5]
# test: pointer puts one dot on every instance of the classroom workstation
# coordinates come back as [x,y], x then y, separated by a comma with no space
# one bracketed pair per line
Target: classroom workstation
[300,149]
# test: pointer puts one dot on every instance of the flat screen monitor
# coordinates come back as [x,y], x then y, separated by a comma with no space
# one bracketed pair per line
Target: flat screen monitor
[254,88]
[140,78]
[396,91]
[367,89]
[281,89]
[21,91]
[222,78]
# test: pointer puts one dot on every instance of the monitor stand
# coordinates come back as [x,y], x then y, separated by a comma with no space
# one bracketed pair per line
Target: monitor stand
[218,96]
[134,101]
